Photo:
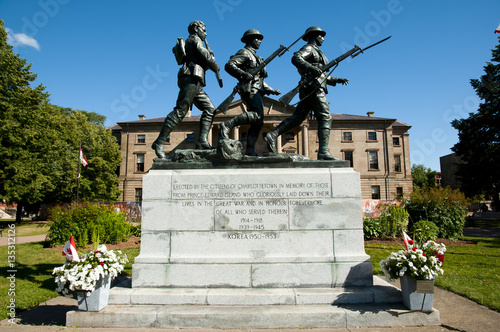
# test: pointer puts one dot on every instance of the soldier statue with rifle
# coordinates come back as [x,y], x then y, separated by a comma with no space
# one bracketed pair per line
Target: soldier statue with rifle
[251,88]
[309,61]
[195,58]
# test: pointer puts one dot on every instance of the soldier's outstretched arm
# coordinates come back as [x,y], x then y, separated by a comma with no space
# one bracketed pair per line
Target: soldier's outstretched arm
[334,81]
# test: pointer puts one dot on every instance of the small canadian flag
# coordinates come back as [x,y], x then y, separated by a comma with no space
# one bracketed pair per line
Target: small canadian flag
[498,29]
[408,241]
[69,250]
[83,160]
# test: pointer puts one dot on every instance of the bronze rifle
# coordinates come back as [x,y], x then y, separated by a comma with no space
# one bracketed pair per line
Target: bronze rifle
[354,52]
[219,79]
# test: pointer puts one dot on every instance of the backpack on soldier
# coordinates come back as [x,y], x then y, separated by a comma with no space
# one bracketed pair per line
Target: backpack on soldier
[179,50]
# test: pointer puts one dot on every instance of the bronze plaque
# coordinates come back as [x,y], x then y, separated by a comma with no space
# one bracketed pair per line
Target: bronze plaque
[425,286]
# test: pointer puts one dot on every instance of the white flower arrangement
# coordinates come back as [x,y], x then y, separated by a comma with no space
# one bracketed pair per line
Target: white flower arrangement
[422,264]
[84,274]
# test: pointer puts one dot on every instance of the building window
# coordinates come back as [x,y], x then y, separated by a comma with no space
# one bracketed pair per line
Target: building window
[138,194]
[140,163]
[347,136]
[397,163]
[167,140]
[190,138]
[375,192]
[289,136]
[141,139]
[348,156]
[372,136]
[373,160]
[395,141]
[399,192]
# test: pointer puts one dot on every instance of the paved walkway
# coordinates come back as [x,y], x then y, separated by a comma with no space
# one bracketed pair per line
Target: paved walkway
[482,231]
[4,240]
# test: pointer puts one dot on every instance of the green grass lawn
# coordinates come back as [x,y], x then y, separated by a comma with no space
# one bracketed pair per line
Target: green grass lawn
[471,270]
[26,228]
[34,282]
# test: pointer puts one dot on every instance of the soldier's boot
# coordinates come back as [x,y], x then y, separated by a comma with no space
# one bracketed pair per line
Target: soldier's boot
[271,137]
[323,151]
[158,144]
[250,151]
[205,125]
[226,126]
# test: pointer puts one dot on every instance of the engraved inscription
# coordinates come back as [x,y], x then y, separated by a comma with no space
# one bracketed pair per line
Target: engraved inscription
[253,236]
[263,190]
[251,214]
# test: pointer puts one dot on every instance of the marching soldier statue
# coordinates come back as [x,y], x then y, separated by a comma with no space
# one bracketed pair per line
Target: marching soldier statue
[196,58]
[309,60]
[252,88]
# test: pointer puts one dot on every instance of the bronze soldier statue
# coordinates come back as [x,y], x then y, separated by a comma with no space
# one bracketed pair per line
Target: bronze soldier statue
[254,87]
[196,58]
[309,60]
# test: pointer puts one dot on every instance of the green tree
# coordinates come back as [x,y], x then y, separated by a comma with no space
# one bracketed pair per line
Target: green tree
[39,142]
[479,136]
[19,104]
[423,176]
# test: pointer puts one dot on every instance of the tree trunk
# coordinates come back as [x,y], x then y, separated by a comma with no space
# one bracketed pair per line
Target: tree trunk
[19,213]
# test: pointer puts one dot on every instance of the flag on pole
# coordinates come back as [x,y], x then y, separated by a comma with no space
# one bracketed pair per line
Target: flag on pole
[69,250]
[498,29]
[408,241]
[83,160]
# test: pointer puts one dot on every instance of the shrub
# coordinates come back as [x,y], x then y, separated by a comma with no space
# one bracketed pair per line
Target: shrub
[424,230]
[371,228]
[394,220]
[445,207]
[83,221]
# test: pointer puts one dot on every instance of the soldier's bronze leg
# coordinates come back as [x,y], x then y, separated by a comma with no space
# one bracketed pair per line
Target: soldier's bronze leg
[226,126]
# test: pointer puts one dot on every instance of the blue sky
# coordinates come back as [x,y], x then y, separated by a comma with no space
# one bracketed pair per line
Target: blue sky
[115,57]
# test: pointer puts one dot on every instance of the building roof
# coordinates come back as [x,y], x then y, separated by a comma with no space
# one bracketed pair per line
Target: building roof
[335,117]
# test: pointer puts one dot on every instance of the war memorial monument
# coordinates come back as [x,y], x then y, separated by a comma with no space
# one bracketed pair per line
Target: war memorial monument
[231,239]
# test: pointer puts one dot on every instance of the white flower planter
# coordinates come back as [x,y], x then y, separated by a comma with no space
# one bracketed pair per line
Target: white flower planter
[412,299]
[98,299]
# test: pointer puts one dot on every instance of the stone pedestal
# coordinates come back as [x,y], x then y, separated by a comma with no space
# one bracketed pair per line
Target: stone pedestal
[252,228]
[252,243]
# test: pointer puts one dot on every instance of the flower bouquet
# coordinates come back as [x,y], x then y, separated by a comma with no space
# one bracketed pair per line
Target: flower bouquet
[84,273]
[420,263]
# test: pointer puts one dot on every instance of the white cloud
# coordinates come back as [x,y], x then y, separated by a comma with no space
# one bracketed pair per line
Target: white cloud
[20,39]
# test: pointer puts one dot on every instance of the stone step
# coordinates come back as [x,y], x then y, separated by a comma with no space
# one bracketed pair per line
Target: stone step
[273,316]
[380,292]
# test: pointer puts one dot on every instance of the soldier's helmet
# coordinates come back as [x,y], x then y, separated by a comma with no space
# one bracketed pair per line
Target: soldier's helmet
[251,33]
[312,31]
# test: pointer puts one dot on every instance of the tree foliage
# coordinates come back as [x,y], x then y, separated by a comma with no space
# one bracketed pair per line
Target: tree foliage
[39,142]
[479,136]
[423,176]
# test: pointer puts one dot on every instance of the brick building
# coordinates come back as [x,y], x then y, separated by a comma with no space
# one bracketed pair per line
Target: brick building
[378,148]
